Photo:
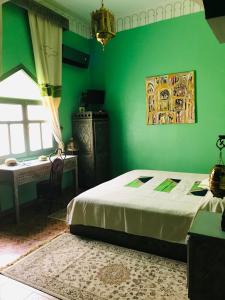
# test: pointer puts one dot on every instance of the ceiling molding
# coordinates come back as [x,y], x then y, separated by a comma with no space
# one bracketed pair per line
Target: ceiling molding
[169,10]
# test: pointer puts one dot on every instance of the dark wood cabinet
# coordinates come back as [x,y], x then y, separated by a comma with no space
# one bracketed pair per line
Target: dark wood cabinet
[91,134]
[206,258]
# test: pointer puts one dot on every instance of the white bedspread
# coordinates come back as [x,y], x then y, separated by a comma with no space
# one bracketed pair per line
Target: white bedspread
[141,211]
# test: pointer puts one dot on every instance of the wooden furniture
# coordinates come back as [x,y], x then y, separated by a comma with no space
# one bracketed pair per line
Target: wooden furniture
[91,134]
[33,171]
[206,257]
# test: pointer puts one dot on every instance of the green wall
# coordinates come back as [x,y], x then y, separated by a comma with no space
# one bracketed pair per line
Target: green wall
[16,39]
[74,81]
[17,49]
[182,44]
[177,45]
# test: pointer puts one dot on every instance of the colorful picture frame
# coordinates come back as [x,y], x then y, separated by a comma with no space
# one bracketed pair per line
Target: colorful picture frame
[170,99]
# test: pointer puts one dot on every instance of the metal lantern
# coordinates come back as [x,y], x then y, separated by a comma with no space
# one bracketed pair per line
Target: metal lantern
[103,25]
[217,176]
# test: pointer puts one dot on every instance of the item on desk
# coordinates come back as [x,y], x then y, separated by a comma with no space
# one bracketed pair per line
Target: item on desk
[10,162]
[71,147]
[43,158]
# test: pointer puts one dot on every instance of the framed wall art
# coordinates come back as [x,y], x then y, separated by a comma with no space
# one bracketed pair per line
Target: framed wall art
[170,99]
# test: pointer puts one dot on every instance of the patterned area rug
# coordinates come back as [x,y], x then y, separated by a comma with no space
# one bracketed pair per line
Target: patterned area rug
[70,267]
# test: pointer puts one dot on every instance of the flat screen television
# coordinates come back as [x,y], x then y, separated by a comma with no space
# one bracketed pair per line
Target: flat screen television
[95,97]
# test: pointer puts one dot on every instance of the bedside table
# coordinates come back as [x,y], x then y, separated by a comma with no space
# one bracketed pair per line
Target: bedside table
[206,258]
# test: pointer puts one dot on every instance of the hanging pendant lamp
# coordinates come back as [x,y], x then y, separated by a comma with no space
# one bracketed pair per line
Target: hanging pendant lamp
[103,25]
[217,176]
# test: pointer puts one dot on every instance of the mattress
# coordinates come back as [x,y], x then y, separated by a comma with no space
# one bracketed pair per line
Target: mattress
[130,203]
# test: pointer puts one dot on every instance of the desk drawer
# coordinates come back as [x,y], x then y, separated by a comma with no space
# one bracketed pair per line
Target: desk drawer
[34,174]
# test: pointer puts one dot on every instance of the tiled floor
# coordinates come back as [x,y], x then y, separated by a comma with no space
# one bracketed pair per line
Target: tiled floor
[14,290]
[34,229]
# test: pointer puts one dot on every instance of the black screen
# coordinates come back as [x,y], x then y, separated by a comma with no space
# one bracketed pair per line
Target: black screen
[95,97]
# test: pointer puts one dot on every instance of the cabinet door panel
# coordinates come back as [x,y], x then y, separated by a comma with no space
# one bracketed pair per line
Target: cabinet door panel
[101,136]
[92,137]
[86,171]
[101,167]
[206,268]
[83,135]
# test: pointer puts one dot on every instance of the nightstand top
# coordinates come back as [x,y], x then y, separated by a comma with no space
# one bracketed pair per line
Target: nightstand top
[207,224]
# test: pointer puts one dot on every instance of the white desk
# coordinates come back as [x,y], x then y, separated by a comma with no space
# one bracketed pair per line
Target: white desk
[33,171]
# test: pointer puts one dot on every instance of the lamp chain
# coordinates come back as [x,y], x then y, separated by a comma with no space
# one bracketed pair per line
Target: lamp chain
[221,162]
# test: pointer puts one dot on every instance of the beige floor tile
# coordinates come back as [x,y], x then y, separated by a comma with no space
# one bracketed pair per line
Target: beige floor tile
[38,296]
[3,280]
[14,291]
[49,297]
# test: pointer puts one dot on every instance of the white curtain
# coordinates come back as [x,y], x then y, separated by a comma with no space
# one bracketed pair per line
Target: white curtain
[47,46]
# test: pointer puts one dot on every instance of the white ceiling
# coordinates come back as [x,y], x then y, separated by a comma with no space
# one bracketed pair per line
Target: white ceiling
[120,8]
[128,13]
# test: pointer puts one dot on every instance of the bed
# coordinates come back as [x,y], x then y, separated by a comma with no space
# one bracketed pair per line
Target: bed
[144,209]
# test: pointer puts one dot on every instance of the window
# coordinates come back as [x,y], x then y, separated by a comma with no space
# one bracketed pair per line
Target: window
[24,128]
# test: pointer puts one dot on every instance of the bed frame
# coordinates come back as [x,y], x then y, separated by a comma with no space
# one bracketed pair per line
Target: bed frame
[142,243]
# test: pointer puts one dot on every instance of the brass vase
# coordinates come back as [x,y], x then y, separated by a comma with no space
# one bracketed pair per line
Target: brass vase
[217,181]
